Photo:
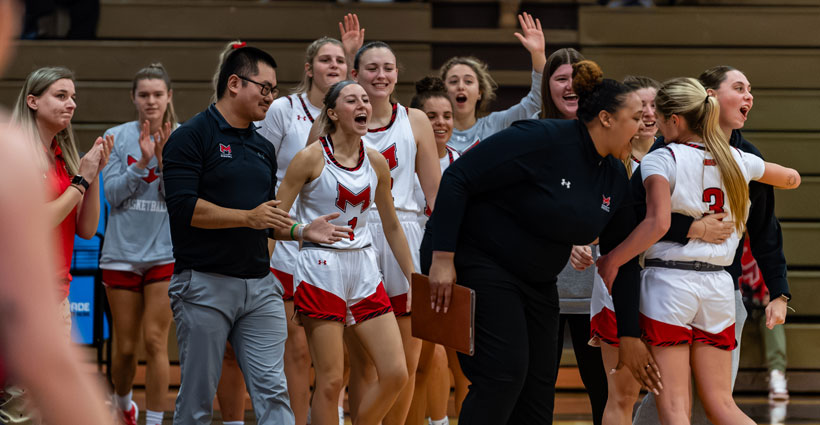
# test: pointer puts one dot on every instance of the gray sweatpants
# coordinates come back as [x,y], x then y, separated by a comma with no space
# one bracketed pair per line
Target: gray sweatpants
[210,309]
[647,413]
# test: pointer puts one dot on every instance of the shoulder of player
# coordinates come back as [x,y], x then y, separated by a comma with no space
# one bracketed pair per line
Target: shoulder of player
[376,158]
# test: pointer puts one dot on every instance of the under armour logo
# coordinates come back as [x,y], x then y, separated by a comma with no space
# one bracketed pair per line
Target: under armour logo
[565,183]
[322,262]
[301,118]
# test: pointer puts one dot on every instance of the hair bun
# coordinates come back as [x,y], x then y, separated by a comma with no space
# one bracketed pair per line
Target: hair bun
[586,75]
[430,84]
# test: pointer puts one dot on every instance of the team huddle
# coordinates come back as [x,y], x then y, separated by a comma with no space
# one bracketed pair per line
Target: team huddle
[293,225]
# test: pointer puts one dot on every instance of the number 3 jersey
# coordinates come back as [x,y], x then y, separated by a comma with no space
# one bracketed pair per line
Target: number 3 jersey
[697,190]
[348,191]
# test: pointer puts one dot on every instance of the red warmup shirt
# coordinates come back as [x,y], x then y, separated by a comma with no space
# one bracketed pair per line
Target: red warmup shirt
[58,181]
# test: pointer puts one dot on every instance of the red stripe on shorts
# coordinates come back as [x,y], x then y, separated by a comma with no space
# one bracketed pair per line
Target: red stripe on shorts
[317,303]
[725,339]
[604,326]
[662,334]
[399,303]
[286,279]
[373,306]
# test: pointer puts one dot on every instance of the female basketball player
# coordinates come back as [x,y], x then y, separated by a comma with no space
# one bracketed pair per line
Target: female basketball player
[471,88]
[405,137]
[137,259]
[341,285]
[432,387]
[287,125]
[686,298]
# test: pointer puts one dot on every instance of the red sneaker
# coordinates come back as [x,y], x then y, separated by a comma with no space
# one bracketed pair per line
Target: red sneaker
[129,417]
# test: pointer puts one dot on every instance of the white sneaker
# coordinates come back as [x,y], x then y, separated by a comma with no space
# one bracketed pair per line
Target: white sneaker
[777,386]
[777,411]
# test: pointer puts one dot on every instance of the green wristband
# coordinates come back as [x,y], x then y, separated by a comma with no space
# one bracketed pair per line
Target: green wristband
[293,238]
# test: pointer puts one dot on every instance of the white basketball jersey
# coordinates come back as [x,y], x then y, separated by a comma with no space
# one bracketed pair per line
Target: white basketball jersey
[698,190]
[396,142]
[348,191]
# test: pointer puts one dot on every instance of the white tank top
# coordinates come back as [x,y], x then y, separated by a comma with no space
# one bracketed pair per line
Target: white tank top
[698,190]
[396,142]
[287,125]
[348,191]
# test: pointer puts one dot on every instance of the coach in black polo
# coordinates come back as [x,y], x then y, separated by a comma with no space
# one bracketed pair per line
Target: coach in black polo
[219,177]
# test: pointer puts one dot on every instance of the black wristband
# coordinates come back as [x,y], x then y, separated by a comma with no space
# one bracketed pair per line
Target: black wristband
[79,180]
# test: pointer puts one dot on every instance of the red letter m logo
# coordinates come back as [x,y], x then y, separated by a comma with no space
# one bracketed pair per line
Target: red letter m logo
[346,196]
[390,155]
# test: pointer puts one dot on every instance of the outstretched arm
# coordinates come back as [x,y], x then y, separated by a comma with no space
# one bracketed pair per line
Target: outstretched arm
[532,38]
[780,177]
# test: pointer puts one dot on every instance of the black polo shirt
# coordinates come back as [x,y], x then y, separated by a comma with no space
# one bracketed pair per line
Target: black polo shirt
[206,158]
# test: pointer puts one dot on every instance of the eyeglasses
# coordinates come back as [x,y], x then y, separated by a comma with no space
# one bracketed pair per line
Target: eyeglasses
[266,88]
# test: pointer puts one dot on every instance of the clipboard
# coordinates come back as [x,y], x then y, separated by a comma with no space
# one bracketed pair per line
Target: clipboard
[454,329]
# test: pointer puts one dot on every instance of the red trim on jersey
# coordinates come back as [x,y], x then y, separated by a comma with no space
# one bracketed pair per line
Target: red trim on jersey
[289,100]
[327,143]
[304,106]
[638,160]
[450,153]
[471,146]
[692,145]
[399,303]
[604,326]
[317,303]
[662,334]
[672,152]
[392,120]
[286,279]
[373,306]
[724,340]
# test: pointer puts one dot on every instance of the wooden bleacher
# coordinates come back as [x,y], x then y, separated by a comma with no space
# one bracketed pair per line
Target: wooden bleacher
[776,43]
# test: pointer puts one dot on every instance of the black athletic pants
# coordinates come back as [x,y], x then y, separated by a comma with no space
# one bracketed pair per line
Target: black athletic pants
[590,362]
[512,373]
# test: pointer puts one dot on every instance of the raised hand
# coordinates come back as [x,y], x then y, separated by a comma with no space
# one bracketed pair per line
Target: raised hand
[531,35]
[352,35]
[323,231]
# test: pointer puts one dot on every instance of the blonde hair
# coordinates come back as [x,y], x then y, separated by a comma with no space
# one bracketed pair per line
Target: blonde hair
[486,83]
[36,84]
[156,71]
[310,54]
[687,97]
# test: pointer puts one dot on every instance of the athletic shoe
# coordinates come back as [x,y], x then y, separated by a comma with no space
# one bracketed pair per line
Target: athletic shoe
[130,416]
[777,386]
[777,412]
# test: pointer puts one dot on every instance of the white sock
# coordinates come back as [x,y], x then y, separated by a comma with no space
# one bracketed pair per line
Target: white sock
[341,415]
[153,418]
[445,421]
[124,401]
[234,423]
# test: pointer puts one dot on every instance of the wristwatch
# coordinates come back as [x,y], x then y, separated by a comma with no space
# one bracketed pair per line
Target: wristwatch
[78,179]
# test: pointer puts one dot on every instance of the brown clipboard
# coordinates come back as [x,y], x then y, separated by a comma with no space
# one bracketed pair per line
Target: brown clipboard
[454,329]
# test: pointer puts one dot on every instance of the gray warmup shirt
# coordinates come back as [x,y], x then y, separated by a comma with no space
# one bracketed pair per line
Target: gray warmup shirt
[575,288]
[138,233]
[486,126]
